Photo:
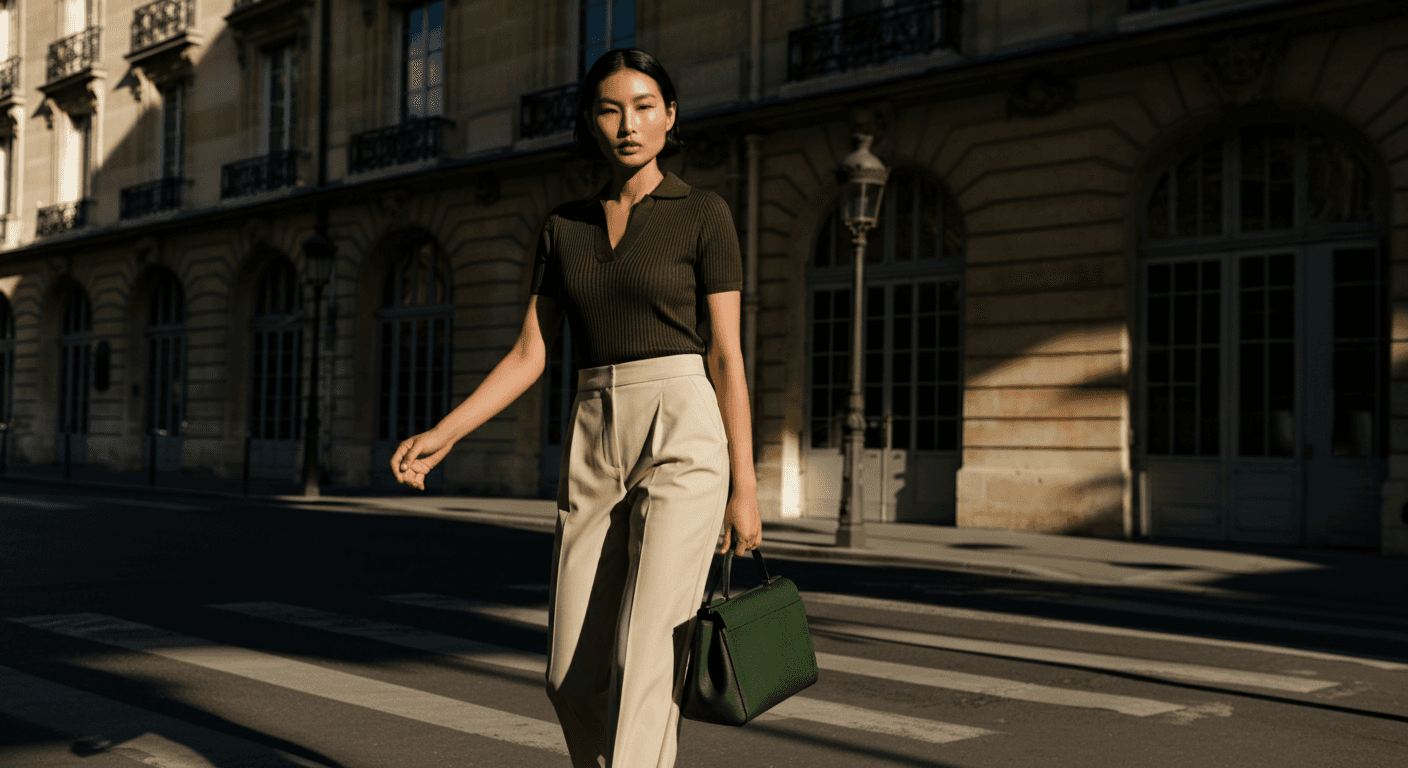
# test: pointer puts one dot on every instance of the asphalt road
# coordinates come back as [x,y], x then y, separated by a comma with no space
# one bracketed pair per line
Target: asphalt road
[173,632]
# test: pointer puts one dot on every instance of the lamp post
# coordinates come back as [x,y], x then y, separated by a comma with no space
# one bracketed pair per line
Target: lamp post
[864,177]
[318,251]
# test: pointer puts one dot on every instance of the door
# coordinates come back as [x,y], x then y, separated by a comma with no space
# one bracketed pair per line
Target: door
[559,392]
[1264,397]
[276,399]
[166,374]
[75,380]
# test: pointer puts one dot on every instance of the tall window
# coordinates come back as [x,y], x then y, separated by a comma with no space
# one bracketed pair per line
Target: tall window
[77,152]
[280,98]
[75,363]
[913,321]
[278,354]
[423,61]
[173,128]
[7,172]
[414,343]
[7,363]
[166,356]
[76,13]
[606,24]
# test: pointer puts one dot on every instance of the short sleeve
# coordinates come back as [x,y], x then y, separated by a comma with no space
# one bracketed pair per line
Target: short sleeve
[547,271]
[719,266]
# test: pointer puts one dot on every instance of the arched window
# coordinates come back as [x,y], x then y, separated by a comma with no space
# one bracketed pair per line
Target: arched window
[7,375]
[277,344]
[914,259]
[913,377]
[166,356]
[1263,356]
[414,343]
[75,363]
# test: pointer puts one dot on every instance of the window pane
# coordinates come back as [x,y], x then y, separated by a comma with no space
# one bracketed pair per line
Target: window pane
[623,24]
[1211,219]
[1156,215]
[1281,165]
[1253,182]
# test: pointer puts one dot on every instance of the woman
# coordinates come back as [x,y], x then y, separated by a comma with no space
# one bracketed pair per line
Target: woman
[646,473]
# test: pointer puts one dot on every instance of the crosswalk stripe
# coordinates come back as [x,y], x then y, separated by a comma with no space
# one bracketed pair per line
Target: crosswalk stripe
[993,686]
[1329,624]
[308,678]
[923,609]
[935,678]
[1165,669]
[122,729]
[798,707]
[1162,669]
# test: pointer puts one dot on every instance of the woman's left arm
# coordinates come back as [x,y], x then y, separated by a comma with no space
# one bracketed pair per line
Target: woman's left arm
[743,528]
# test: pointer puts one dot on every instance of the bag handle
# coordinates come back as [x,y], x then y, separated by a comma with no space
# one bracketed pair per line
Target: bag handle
[726,572]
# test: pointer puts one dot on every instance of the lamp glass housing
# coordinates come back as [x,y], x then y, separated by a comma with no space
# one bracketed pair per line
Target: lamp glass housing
[319,253]
[864,177]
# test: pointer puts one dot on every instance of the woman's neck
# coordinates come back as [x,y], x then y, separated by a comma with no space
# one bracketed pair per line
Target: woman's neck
[631,185]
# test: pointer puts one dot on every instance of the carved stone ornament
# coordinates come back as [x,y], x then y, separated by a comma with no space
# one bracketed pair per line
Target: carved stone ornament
[873,119]
[393,203]
[486,189]
[147,250]
[1040,94]
[706,153]
[1242,68]
[77,98]
[256,232]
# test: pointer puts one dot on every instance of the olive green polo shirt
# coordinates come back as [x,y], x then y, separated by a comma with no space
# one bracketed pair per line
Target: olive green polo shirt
[645,297]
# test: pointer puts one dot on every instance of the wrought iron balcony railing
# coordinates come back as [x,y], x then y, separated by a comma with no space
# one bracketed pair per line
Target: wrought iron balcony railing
[73,53]
[1158,5]
[142,199]
[161,20]
[418,138]
[546,112]
[9,75]
[875,37]
[62,217]
[259,174]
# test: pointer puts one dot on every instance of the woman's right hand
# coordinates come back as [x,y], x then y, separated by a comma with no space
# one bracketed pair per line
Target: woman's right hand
[417,455]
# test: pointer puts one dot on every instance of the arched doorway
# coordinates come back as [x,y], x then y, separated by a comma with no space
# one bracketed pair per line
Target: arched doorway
[913,367]
[276,365]
[1263,357]
[75,378]
[560,389]
[413,349]
[166,371]
[7,377]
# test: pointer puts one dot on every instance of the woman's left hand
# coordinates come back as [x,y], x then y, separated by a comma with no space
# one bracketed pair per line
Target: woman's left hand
[743,527]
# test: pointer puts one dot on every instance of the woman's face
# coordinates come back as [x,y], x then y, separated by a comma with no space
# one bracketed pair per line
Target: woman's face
[630,118]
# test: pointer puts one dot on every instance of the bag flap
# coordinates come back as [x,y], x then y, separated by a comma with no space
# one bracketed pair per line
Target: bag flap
[779,592]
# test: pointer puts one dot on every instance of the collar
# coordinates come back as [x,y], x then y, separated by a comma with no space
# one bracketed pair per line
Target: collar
[671,187]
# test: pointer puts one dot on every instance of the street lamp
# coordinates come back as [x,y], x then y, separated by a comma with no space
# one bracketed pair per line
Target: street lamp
[318,253]
[864,177]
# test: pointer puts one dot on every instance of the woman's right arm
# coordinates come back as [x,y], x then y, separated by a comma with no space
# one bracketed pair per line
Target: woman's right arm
[522,366]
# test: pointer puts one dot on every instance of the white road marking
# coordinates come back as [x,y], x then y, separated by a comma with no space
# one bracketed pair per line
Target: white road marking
[1149,667]
[128,731]
[799,707]
[936,678]
[993,686]
[1076,626]
[1330,623]
[308,678]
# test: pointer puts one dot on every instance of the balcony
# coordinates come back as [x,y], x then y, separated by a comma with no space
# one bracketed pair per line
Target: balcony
[153,196]
[547,112]
[877,37]
[418,138]
[9,77]
[62,217]
[163,20]
[73,54]
[259,174]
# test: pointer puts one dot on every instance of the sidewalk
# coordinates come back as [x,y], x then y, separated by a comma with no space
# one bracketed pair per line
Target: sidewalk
[1326,578]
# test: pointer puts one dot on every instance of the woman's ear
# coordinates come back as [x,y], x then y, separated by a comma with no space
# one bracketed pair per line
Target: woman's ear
[670,116]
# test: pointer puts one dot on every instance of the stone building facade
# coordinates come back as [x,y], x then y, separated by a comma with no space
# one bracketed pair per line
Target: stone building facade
[1142,268]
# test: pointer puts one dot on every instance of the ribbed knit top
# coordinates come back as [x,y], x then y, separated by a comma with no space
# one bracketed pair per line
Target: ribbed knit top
[645,297]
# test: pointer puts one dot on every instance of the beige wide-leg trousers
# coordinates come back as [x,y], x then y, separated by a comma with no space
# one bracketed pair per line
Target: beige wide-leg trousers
[640,507]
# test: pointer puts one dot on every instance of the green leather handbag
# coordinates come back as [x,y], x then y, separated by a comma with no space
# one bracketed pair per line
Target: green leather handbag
[751,651]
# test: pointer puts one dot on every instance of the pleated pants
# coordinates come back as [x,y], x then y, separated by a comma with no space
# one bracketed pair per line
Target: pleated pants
[641,501]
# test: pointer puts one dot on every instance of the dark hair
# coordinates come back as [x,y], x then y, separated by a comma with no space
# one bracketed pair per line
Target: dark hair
[611,62]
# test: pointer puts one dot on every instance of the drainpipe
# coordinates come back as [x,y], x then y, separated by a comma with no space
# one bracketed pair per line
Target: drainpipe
[755,50]
[750,269]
